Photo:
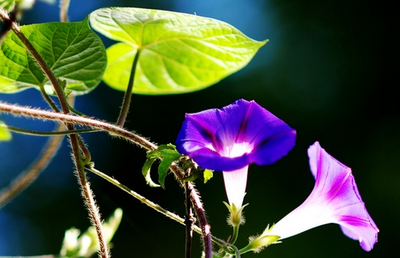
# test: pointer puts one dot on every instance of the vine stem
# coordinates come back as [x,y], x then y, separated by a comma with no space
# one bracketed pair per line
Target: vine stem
[85,121]
[120,132]
[52,133]
[153,205]
[139,197]
[201,215]
[88,196]
[189,222]
[76,143]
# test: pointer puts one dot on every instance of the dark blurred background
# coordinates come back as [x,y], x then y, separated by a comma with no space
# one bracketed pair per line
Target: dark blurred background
[330,71]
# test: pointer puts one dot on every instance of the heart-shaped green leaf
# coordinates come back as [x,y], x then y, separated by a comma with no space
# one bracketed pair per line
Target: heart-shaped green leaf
[178,52]
[75,54]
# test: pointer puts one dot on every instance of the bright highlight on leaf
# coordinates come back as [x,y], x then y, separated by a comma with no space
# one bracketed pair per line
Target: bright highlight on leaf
[5,135]
[178,52]
[73,51]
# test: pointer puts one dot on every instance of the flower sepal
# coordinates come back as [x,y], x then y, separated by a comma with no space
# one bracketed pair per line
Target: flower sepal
[257,243]
[235,217]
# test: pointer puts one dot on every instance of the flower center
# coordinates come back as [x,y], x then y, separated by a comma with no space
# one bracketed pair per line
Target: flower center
[237,149]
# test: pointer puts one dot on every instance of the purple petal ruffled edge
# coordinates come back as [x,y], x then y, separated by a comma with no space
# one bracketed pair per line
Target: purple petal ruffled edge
[351,213]
[204,134]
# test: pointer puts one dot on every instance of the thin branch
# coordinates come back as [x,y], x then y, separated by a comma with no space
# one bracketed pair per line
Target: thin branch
[201,215]
[83,121]
[53,133]
[139,197]
[87,194]
[76,142]
[48,99]
[26,178]
[128,93]
[118,131]
[156,207]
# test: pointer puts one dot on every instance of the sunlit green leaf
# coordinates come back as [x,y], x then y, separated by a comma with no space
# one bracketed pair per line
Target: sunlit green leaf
[5,135]
[178,52]
[73,51]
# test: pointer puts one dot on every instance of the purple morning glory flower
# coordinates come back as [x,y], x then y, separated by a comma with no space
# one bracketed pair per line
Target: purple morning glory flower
[334,199]
[231,138]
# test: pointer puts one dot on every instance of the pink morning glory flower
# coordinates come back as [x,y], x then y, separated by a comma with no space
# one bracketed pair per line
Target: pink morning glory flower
[231,138]
[334,199]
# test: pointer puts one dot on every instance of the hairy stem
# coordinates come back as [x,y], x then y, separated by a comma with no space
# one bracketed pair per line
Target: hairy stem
[201,215]
[157,207]
[76,142]
[26,178]
[53,133]
[118,131]
[139,197]
[128,93]
[83,121]
[189,222]
[88,197]
[200,212]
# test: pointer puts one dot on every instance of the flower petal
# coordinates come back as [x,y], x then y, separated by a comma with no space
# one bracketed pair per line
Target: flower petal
[235,185]
[334,199]
[233,137]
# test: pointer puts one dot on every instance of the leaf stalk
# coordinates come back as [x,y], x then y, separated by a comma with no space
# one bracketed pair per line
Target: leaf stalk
[128,93]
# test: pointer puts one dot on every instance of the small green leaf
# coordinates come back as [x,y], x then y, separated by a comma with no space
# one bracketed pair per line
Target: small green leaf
[178,52]
[5,135]
[168,156]
[74,53]
[146,172]
[167,153]
[207,174]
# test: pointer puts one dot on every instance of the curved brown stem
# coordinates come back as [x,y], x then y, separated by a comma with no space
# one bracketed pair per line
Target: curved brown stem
[76,142]
[120,132]
[85,121]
